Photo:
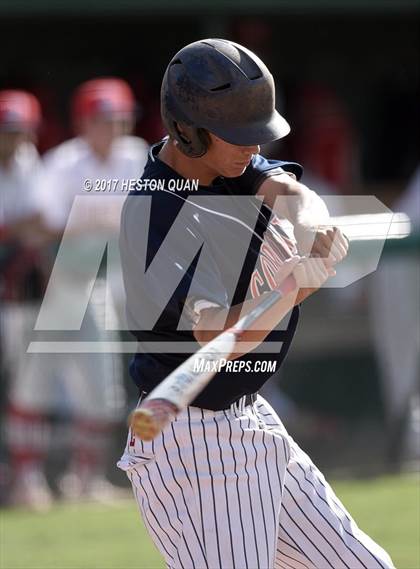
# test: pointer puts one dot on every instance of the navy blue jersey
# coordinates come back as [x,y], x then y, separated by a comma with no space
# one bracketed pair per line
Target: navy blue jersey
[184,241]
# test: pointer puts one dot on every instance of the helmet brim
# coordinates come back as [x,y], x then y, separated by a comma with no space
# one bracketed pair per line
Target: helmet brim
[255,133]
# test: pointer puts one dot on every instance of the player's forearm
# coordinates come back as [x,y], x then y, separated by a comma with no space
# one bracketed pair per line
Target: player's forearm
[294,201]
[214,320]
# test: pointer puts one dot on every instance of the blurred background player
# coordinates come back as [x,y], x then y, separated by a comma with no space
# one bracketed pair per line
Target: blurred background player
[88,386]
[395,319]
[21,272]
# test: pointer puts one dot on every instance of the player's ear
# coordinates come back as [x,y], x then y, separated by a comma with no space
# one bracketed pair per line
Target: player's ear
[204,136]
[192,140]
[184,132]
[188,133]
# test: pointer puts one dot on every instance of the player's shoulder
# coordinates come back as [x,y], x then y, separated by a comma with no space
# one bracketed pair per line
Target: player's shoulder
[66,154]
[263,165]
[259,169]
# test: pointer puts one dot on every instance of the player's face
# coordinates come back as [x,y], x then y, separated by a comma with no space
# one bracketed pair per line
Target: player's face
[102,131]
[228,159]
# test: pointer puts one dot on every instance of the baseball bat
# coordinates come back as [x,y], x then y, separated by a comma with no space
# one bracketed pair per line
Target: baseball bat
[181,386]
[373,226]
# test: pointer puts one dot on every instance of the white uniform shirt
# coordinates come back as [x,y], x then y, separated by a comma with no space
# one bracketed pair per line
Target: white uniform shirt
[94,220]
[19,185]
[70,164]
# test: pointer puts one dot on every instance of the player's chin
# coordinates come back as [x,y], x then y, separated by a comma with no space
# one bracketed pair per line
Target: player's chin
[236,169]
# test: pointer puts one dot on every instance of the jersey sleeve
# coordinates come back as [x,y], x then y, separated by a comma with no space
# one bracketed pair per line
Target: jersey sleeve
[34,202]
[259,170]
[29,178]
[200,289]
[53,194]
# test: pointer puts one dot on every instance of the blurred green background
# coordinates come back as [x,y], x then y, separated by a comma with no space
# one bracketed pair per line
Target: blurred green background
[99,537]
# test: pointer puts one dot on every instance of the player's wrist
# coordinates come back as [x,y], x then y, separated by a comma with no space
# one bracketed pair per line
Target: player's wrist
[288,285]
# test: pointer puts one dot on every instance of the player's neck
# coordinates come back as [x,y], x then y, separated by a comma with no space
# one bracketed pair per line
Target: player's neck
[189,168]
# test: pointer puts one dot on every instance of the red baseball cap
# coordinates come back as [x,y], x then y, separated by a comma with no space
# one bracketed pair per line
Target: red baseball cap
[108,96]
[19,111]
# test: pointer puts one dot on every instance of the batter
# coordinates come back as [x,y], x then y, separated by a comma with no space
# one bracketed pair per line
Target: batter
[224,485]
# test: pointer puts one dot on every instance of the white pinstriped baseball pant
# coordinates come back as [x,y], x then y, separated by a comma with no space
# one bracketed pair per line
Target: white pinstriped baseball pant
[231,489]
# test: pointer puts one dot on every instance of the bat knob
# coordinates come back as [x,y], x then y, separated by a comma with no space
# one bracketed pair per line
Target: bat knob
[143,424]
[148,420]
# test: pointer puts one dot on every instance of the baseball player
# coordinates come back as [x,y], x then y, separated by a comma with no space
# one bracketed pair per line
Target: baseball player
[21,233]
[396,334]
[89,386]
[224,485]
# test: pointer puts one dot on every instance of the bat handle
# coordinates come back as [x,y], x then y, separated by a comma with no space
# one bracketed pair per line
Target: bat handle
[153,415]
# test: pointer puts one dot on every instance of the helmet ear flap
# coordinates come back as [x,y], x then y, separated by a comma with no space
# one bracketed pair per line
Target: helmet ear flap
[191,140]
